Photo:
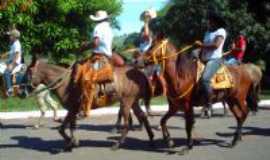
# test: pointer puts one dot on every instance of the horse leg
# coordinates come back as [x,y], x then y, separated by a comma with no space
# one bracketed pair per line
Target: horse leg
[141,115]
[126,105]
[225,111]
[73,142]
[240,111]
[189,120]
[117,124]
[163,123]
[62,132]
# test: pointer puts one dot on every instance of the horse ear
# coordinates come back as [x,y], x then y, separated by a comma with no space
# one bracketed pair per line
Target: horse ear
[34,60]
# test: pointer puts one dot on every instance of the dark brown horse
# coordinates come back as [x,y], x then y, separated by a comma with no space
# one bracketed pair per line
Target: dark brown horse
[130,85]
[183,90]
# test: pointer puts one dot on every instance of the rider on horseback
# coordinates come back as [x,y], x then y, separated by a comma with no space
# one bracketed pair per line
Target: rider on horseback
[14,59]
[211,52]
[146,40]
[102,44]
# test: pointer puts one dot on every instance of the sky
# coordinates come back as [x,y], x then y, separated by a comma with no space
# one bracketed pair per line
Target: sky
[129,18]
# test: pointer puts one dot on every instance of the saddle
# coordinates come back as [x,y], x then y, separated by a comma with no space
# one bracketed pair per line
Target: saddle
[221,80]
[102,69]
[97,73]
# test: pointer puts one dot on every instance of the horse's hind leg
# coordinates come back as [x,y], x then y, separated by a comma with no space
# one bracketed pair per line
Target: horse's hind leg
[163,123]
[240,112]
[117,125]
[225,111]
[126,105]
[142,117]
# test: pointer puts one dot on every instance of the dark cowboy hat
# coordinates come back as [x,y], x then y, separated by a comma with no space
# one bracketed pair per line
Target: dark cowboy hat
[217,18]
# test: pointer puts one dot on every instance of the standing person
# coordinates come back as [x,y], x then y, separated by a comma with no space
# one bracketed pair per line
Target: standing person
[14,59]
[236,55]
[211,52]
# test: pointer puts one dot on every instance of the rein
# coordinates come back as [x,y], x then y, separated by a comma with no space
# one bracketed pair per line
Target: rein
[154,58]
[56,83]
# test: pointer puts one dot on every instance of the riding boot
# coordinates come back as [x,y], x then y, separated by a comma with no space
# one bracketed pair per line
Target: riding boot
[208,91]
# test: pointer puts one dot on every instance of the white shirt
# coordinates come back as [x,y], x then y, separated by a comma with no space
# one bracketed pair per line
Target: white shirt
[15,48]
[104,33]
[209,38]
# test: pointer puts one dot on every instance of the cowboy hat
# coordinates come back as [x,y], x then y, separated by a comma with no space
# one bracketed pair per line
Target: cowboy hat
[99,16]
[14,32]
[149,12]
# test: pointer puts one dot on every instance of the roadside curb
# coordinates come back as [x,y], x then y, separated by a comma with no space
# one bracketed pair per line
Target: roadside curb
[98,112]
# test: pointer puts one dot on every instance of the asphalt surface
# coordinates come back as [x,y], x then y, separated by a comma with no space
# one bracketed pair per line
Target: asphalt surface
[18,141]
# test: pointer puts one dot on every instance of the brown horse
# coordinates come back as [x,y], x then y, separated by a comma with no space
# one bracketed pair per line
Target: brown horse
[130,85]
[255,73]
[183,90]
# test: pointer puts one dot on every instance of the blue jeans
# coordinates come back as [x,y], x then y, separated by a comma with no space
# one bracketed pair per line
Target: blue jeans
[8,79]
[231,60]
[210,69]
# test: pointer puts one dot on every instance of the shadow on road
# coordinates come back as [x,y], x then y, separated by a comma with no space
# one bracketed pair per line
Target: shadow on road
[56,146]
[50,146]
[257,131]
[14,126]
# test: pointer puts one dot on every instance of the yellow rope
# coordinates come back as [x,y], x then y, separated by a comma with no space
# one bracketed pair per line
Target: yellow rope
[163,54]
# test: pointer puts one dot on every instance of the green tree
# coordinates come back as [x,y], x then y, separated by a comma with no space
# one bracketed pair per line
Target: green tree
[185,20]
[53,27]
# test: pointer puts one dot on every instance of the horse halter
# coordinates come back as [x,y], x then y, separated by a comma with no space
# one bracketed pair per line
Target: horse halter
[154,57]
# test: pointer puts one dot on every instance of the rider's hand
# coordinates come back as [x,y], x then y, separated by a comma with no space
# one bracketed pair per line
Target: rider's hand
[198,44]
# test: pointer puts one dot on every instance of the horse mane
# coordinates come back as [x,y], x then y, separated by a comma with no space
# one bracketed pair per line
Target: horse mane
[185,64]
[51,66]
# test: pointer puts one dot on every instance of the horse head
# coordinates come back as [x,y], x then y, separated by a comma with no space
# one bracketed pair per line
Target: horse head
[33,72]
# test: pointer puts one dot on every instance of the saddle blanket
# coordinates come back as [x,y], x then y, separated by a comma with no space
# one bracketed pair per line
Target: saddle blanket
[221,80]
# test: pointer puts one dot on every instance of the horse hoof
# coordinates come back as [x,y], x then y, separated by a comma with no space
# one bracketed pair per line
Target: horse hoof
[114,130]
[170,143]
[184,151]
[234,143]
[58,120]
[75,143]
[36,126]
[115,147]
[68,149]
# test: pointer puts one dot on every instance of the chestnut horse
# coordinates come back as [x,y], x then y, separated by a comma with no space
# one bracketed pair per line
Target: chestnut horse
[180,70]
[130,85]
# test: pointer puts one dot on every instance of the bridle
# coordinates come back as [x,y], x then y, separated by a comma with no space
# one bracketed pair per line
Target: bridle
[156,59]
[56,83]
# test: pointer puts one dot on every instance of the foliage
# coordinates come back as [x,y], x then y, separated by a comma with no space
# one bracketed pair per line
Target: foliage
[185,21]
[53,27]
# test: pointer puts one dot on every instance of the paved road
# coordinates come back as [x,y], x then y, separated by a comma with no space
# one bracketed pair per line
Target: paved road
[19,142]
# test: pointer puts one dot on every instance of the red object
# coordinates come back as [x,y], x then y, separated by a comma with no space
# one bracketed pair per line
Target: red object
[117,60]
[239,49]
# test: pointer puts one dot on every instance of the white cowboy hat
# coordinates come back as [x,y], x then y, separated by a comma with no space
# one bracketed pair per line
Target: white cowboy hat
[99,16]
[14,32]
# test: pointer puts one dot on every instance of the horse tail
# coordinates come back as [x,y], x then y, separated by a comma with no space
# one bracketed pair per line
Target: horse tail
[253,98]
[255,74]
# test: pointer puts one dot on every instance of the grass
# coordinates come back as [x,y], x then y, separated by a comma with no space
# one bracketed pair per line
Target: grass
[29,104]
